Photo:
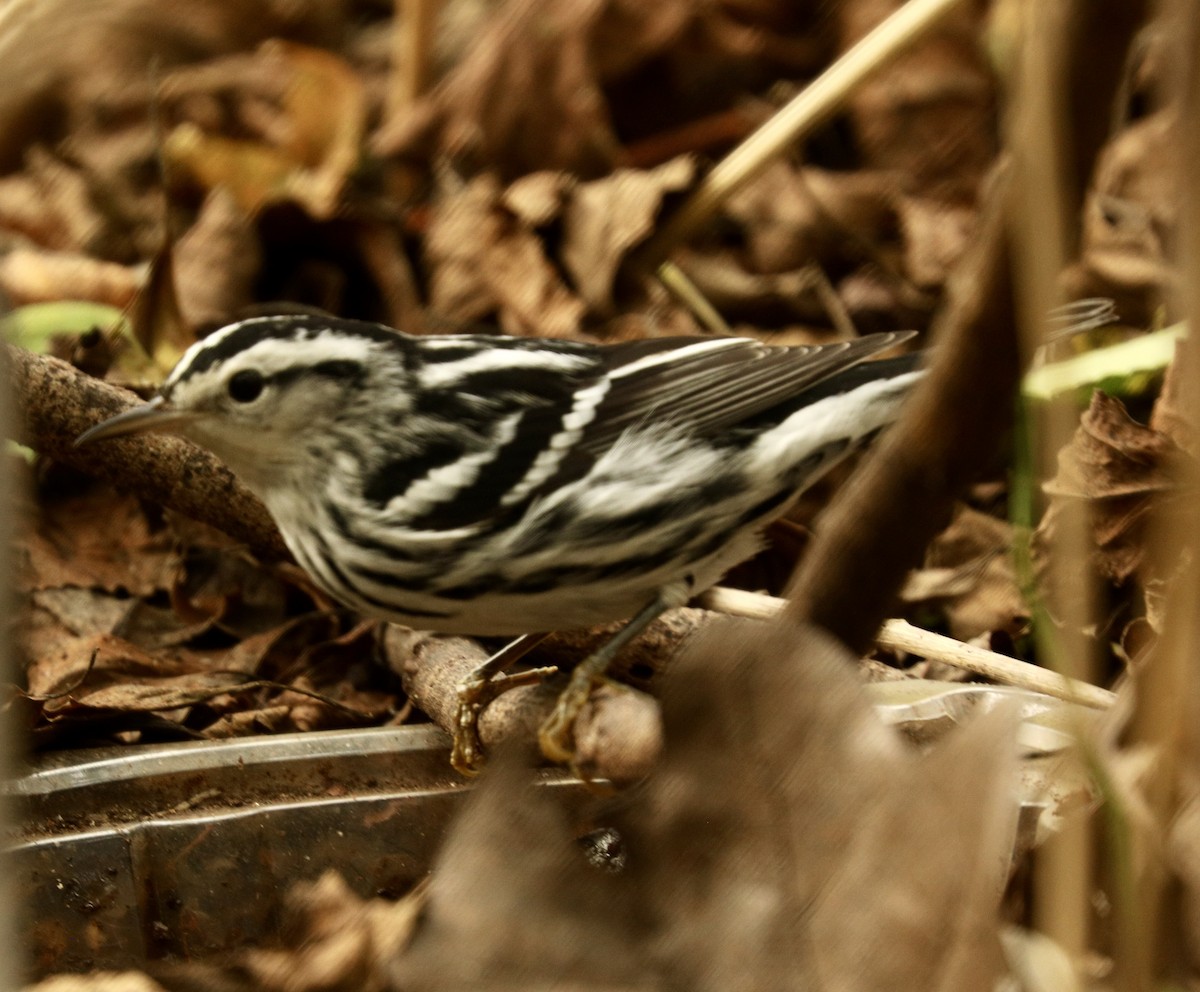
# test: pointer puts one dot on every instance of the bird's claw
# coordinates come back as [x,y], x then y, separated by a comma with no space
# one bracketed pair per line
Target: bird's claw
[467,752]
[556,735]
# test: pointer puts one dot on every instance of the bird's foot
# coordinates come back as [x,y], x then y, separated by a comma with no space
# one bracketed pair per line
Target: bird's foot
[467,753]
[556,735]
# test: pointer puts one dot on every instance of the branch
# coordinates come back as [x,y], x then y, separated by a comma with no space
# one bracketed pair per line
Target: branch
[56,403]
[618,735]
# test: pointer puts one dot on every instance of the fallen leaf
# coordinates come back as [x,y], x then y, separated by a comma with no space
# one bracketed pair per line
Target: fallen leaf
[843,878]
[217,261]
[525,97]
[314,141]
[1127,473]
[927,115]
[969,574]
[156,321]
[799,217]
[606,218]
[29,275]
[1129,219]
[484,260]
[94,540]
[936,234]
[50,202]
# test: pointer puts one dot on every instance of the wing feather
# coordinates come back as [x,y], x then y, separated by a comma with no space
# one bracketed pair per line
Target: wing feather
[710,389]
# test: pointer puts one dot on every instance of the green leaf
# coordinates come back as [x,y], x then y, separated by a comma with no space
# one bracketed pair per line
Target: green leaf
[1120,369]
[33,325]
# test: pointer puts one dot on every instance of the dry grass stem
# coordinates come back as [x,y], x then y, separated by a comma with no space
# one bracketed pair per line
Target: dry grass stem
[412,35]
[1036,124]
[903,636]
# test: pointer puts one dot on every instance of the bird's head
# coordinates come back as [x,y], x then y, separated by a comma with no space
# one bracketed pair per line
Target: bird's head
[266,393]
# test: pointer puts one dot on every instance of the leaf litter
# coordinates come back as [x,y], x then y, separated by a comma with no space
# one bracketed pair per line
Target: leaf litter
[507,193]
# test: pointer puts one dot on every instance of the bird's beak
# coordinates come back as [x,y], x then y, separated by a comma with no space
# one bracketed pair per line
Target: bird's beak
[156,415]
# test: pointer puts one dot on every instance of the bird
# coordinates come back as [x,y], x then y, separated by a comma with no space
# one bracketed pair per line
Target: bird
[484,484]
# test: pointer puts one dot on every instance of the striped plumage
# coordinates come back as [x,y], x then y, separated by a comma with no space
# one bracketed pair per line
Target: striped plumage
[495,485]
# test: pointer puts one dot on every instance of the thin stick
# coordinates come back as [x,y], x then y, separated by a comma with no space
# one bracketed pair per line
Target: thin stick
[901,635]
[816,103]
[684,290]
[412,37]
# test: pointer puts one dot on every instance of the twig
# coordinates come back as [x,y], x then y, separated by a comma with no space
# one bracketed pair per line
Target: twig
[683,289]
[817,102]
[836,310]
[412,36]
[56,403]
[901,635]
[618,735]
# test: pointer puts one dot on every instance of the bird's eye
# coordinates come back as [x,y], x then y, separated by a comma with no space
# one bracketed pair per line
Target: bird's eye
[246,386]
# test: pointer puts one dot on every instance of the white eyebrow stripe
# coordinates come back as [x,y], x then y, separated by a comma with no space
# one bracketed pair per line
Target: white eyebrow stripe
[273,355]
[446,375]
[215,338]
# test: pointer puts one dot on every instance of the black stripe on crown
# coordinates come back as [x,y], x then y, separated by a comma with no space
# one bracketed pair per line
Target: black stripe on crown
[289,328]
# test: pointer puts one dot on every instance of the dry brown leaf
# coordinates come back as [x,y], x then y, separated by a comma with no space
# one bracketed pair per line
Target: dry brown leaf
[928,114]
[309,145]
[217,261]
[1129,220]
[798,217]
[533,299]
[98,981]
[579,930]
[152,694]
[524,98]
[50,202]
[341,941]
[484,260]
[462,226]
[969,572]
[35,276]
[156,321]
[538,198]
[799,811]
[741,295]
[1124,471]
[936,234]
[92,661]
[606,218]
[95,540]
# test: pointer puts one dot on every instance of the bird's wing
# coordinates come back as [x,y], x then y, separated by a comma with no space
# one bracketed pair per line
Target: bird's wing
[710,385]
[569,419]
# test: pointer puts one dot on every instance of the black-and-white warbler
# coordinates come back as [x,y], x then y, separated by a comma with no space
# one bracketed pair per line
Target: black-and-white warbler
[496,485]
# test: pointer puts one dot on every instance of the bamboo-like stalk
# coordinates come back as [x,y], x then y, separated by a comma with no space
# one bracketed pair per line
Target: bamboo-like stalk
[1164,715]
[412,42]
[1036,131]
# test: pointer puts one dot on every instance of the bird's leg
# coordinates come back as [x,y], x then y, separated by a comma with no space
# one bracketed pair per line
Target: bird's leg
[556,734]
[483,685]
